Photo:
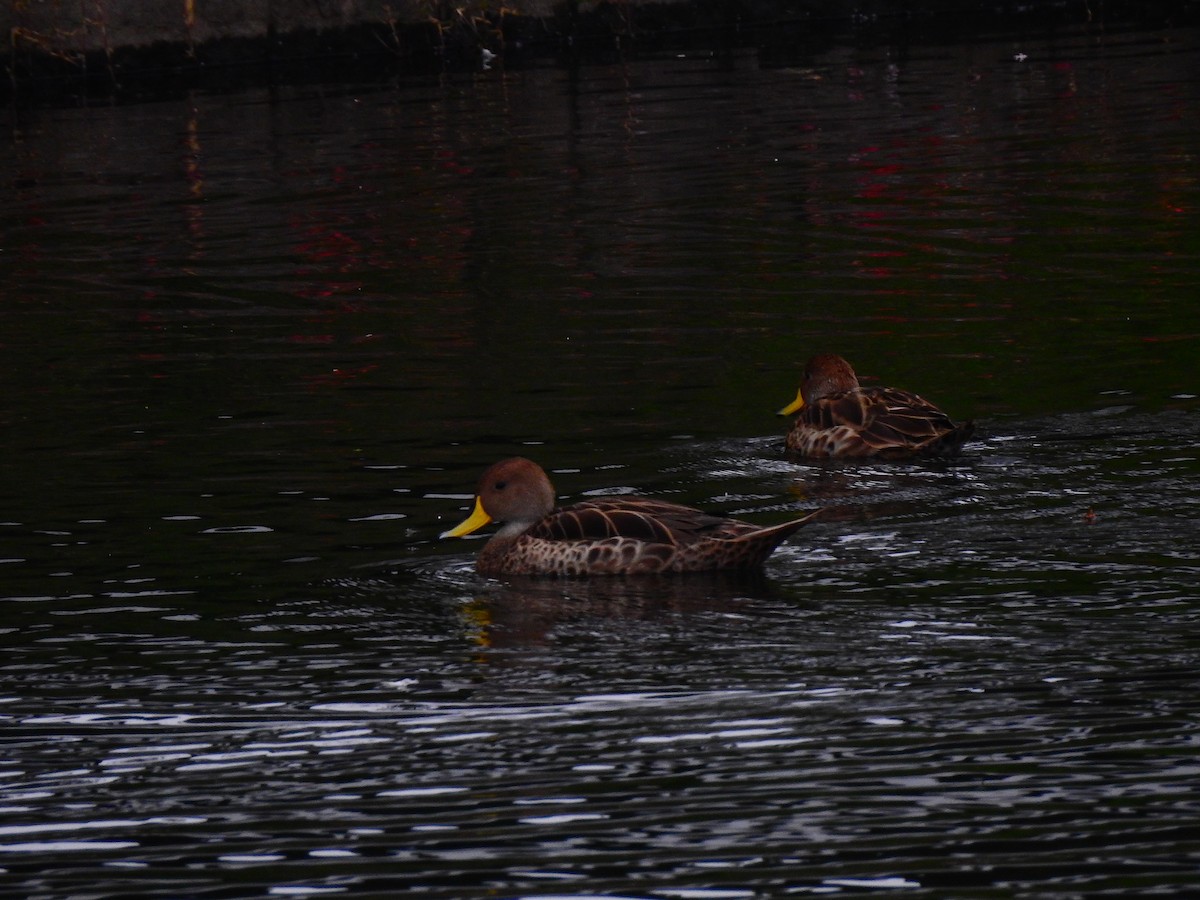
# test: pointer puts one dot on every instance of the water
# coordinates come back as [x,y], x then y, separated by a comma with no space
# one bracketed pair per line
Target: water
[258,348]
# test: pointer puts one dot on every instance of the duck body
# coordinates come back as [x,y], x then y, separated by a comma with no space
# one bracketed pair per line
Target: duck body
[839,419]
[607,536]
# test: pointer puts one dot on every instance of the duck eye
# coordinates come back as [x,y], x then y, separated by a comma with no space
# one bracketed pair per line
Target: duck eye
[501,485]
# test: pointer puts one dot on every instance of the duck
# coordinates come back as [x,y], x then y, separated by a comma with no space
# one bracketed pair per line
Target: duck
[619,535]
[839,419]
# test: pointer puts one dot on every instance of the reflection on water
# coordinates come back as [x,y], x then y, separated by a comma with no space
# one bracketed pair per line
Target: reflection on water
[258,350]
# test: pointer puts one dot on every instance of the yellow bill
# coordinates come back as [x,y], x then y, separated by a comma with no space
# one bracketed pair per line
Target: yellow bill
[474,522]
[795,406]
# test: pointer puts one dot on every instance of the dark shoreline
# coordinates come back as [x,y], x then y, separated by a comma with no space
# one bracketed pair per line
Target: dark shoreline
[40,73]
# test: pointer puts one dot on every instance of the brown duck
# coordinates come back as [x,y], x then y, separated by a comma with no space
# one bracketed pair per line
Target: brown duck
[838,418]
[608,536]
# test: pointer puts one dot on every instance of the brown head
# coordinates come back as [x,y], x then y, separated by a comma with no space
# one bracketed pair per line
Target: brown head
[825,374]
[514,491]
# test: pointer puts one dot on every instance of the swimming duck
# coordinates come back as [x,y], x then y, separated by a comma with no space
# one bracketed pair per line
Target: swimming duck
[607,536]
[838,418]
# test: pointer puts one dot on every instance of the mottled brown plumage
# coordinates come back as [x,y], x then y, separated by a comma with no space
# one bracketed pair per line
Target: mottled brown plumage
[838,418]
[607,536]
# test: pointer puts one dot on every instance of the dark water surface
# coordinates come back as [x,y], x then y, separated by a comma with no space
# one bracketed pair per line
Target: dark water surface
[256,350]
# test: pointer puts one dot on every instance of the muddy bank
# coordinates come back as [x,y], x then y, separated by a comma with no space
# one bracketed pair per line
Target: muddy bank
[137,48]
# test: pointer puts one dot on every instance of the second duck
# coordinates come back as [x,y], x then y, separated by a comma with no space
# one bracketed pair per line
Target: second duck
[837,418]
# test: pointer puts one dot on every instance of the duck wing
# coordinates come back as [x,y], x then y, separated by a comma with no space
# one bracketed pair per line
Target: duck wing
[637,518]
[883,419]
